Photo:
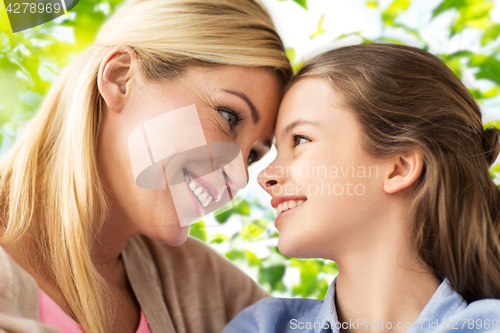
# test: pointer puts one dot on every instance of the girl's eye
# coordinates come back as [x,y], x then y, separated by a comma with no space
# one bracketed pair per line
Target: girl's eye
[232,117]
[298,139]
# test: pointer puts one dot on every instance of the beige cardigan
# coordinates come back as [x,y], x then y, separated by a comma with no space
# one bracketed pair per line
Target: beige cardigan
[189,288]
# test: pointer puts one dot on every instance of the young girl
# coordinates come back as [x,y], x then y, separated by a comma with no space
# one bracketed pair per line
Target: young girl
[383,168]
[83,247]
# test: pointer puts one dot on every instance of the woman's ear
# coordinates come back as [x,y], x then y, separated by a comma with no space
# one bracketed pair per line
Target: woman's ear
[115,77]
[405,170]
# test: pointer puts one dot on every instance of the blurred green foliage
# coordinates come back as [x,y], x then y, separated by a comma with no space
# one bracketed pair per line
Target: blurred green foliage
[31,60]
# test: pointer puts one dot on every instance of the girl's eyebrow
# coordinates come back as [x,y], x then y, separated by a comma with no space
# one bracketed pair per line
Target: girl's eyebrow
[301,121]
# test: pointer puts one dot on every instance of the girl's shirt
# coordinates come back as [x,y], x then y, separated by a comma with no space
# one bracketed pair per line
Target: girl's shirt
[51,314]
[446,311]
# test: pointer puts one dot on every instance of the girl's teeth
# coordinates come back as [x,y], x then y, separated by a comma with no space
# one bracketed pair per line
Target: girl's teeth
[192,185]
[197,191]
[288,205]
[279,208]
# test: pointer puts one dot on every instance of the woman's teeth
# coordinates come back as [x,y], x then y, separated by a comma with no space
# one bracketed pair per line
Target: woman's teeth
[199,191]
[288,205]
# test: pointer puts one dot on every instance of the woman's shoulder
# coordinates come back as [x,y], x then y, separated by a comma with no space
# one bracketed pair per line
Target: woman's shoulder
[193,259]
[17,288]
[18,298]
[274,314]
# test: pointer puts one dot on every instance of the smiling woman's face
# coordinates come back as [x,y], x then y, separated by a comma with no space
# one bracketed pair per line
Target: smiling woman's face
[327,190]
[235,104]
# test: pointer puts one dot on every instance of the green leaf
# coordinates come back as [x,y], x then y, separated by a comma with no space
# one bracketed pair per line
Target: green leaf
[271,276]
[489,67]
[235,255]
[494,123]
[253,229]
[309,270]
[218,238]
[397,7]
[447,5]
[243,208]
[252,258]
[320,29]
[372,4]
[491,34]
[472,14]
[290,53]
[301,3]
[198,230]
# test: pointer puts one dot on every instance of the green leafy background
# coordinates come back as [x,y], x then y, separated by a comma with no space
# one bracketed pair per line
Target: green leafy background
[31,60]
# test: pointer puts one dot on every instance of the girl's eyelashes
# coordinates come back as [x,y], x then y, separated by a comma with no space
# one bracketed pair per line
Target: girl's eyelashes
[299,139]
[233,118]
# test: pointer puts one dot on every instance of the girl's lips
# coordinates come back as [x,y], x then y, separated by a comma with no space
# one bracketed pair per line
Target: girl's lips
[285,213]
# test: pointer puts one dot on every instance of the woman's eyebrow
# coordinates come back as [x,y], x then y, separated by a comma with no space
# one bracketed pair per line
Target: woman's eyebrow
[253,109]
[288,128]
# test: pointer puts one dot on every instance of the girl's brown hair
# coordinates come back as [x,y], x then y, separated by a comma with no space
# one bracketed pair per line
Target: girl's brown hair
[406,98]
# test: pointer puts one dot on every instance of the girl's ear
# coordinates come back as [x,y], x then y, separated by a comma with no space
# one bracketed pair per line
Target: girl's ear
[115,77]
[405,170]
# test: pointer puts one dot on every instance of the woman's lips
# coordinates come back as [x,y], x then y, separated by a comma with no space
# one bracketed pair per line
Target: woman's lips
[211,189]
[196,203]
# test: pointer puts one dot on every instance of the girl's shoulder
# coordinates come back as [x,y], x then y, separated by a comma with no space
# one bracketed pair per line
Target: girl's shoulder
[484,308]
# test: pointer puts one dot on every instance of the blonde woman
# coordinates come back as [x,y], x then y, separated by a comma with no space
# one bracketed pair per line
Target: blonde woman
[83,247]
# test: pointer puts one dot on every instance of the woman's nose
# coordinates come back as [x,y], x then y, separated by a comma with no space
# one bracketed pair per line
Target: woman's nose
[270,177]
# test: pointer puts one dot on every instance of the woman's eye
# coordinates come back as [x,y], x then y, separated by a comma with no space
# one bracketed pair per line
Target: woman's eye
[298,139]
[251,157]
[233,118]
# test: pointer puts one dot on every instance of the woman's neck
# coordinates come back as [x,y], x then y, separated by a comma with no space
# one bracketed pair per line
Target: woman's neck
[111,239]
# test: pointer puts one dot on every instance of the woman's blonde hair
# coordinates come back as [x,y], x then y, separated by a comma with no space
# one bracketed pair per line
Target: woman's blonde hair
[406,98]
[50,189]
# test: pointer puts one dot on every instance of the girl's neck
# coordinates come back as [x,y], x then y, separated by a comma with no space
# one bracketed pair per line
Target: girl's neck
[381,286]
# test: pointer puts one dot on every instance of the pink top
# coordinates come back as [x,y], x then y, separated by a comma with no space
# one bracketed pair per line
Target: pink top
[51,314]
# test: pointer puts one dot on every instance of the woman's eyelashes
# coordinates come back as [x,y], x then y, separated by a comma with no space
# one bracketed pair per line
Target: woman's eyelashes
[299,139]
[254,156]
[233,118]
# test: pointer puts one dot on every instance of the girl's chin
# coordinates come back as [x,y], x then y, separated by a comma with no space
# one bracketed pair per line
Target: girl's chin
[295,247]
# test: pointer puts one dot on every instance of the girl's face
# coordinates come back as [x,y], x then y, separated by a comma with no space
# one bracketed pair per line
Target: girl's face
[234,104]
[327,190]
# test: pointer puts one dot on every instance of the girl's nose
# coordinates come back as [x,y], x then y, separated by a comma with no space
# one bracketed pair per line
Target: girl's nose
[270,177]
